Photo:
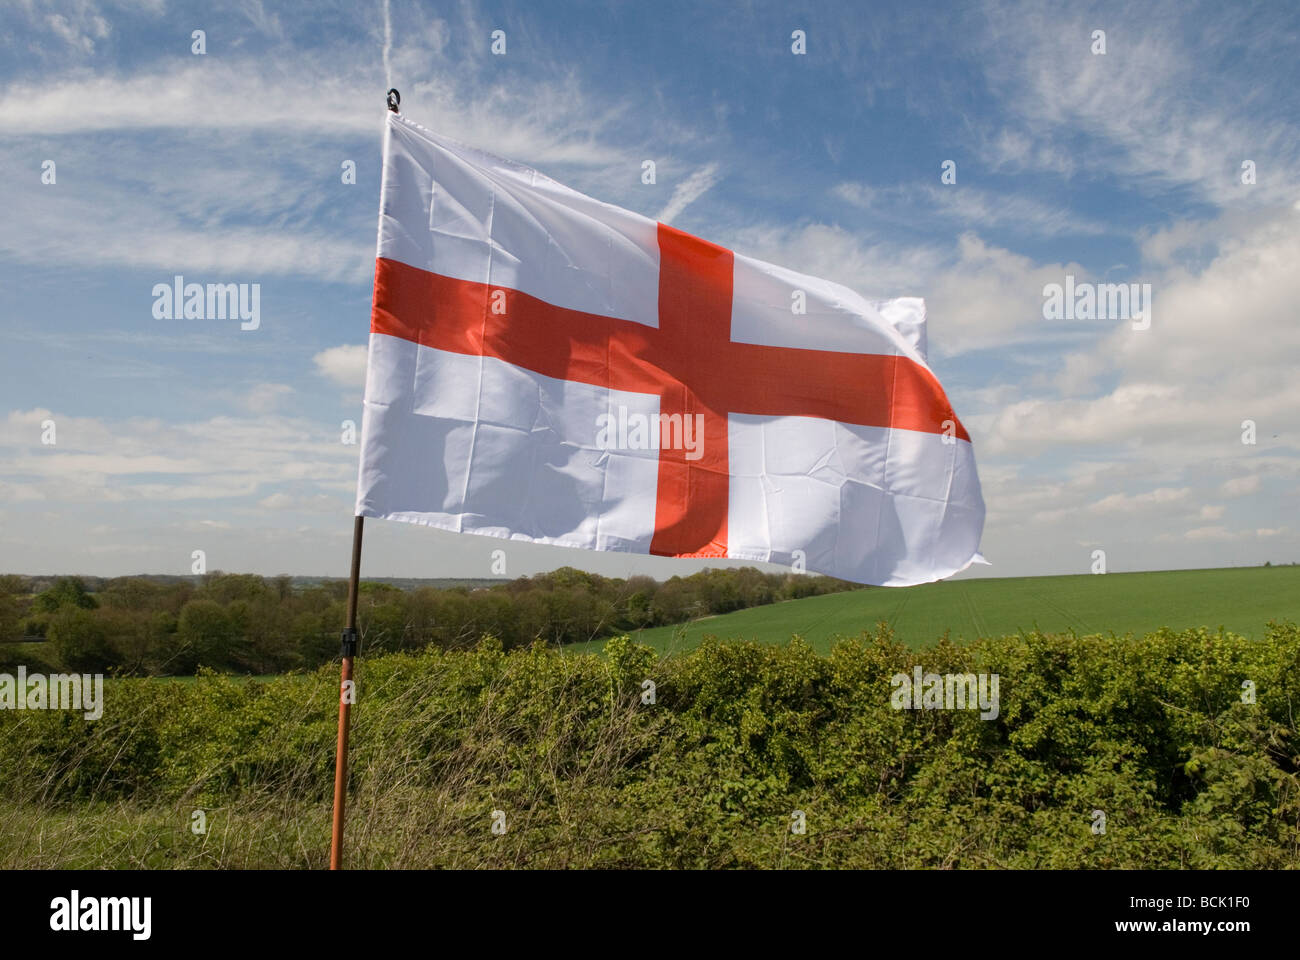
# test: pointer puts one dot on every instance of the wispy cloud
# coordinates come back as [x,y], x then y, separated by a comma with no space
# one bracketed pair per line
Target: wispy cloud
[688,191]
[1154,109]
[97,460]
[968,207]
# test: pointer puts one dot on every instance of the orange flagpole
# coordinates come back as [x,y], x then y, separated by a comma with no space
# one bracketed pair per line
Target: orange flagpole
[345,702]
[350,648]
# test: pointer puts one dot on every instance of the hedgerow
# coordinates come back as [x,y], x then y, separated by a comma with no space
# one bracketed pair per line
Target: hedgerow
[698,760]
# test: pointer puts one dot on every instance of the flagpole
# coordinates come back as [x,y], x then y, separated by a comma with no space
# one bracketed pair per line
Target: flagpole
[349,651]
[345,701]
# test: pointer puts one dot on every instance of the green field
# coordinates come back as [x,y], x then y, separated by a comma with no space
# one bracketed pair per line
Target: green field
[1242,599]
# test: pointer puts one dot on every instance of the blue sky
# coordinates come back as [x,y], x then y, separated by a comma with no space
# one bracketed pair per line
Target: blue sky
[177,435]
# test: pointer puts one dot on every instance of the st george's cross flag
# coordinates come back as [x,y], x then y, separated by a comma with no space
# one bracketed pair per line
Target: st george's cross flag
[550,368]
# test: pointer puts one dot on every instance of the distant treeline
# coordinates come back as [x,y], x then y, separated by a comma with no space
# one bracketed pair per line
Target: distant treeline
[250,624]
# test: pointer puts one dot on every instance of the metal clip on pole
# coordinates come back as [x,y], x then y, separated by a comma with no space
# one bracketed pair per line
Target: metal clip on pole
[351,642]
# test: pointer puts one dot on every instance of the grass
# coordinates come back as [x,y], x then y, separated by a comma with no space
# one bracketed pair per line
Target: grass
[1241,599]
[238,677]
[128,836]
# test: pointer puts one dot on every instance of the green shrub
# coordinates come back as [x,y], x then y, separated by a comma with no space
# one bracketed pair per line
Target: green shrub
[1154,732]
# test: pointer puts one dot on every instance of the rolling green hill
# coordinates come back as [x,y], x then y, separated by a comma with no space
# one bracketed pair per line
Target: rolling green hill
[1243,599]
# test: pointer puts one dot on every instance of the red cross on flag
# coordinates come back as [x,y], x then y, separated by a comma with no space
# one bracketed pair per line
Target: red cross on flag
[550,368]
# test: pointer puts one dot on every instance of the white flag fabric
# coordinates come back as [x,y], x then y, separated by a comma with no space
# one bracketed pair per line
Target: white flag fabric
[547,367]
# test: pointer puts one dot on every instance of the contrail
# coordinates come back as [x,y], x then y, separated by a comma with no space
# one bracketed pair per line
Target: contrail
[388,47]
[688,191]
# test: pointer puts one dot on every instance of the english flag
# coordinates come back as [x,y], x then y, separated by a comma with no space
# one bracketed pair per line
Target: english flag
[547,367]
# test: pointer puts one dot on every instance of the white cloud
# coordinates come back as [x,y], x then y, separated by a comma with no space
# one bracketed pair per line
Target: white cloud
[73,37]
[307,503]
[1153,109]
[1240,486]
[54,229]
[551,120]
[977,295]
[1143,502]
[989,296]
[345,365]
[199,205]
[265,397]
[145,460]
[969,207]
[1220,349]
[873,268]
[1211,533]
[688,191]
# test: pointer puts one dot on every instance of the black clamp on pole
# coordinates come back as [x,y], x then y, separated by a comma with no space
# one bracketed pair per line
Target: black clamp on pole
[394,100]
[351,642]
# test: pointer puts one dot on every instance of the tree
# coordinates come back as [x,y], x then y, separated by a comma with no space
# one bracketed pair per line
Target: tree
[79,640]
[206,634]
[225,588]
[11,588]
[67,591]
